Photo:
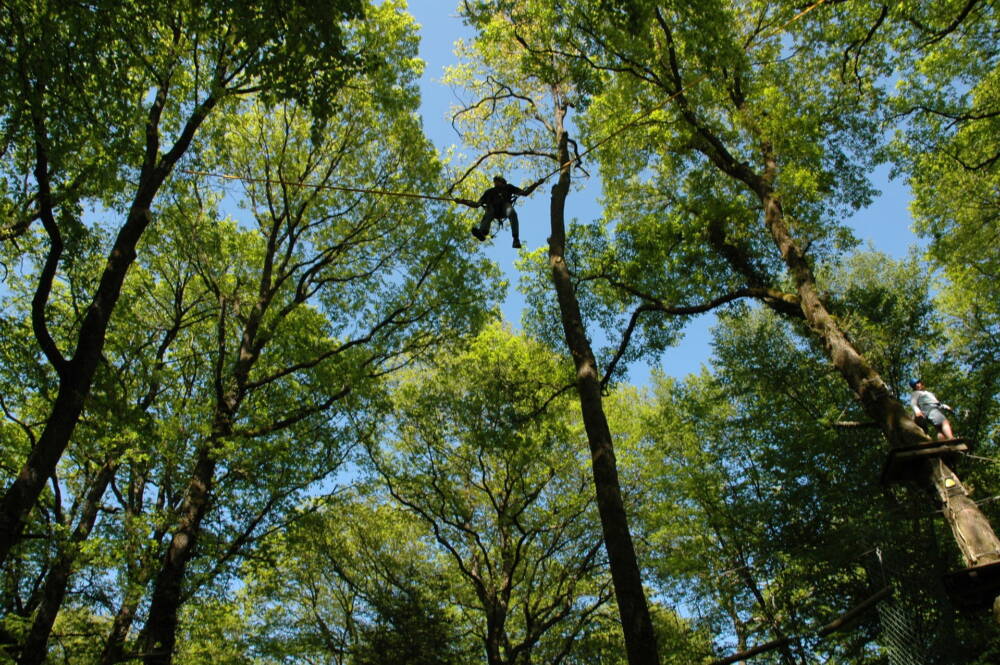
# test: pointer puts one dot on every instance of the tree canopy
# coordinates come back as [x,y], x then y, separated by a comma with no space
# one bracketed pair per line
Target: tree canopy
[260,401]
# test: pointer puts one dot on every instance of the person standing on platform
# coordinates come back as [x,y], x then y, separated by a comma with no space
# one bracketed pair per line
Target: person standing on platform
[926,405]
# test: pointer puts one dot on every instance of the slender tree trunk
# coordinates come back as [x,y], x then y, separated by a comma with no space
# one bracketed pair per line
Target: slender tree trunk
[114,646]
[134,588]
[781,638]
[637,626]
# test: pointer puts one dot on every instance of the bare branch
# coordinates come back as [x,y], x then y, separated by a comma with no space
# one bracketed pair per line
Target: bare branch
[493,153]
[654,304]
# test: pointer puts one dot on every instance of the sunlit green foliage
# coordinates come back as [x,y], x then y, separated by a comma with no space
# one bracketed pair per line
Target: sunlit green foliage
[388,482]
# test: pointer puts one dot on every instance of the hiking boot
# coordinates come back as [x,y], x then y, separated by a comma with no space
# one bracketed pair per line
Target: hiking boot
[479,234]
[516,244]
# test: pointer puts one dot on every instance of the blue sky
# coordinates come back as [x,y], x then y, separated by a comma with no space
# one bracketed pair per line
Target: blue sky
[886,225]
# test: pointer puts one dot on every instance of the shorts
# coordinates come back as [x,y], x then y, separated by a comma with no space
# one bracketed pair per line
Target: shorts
[936,416]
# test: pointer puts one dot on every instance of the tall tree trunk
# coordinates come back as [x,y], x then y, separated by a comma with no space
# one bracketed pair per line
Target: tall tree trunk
[76,376]
[637,626]
[159,634]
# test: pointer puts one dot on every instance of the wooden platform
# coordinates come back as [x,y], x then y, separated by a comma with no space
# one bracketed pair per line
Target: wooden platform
[904,464]
[974,588]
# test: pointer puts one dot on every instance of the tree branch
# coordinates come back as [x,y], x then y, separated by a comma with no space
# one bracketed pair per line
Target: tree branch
[494,153]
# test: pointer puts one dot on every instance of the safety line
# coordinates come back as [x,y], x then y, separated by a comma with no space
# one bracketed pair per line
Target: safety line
[342,188]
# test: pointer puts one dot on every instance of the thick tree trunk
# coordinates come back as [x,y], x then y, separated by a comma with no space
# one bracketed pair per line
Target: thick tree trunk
[971,529]
[875,397]
[637,626]
[495,619]
[133,591]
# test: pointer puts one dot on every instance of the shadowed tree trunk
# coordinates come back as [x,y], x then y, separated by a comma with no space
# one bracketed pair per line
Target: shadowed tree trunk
[33,651]
[637,626]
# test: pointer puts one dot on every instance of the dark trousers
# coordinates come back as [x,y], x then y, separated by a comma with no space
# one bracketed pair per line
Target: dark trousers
[498,214]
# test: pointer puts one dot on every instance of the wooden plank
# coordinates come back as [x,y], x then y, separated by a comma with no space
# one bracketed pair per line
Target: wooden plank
[904,463]
[959,442]
[974,588]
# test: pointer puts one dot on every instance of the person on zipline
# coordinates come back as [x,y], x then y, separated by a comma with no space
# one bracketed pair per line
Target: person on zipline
[499,203]
[926,405]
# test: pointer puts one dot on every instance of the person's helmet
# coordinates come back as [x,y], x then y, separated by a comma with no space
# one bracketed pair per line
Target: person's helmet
[914,382]
[499,177]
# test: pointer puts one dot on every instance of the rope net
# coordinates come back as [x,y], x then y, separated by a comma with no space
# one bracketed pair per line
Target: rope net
[905,629]
[899,636]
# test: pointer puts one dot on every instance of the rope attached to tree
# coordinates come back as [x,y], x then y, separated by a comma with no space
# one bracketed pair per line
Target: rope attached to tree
[340,188]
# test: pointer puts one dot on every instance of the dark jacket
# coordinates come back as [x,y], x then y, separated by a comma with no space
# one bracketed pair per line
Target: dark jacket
[496,198]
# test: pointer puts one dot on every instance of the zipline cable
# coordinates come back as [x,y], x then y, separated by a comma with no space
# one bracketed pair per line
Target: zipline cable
[342,188]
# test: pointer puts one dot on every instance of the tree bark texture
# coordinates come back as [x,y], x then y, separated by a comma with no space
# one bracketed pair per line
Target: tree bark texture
[637,626]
